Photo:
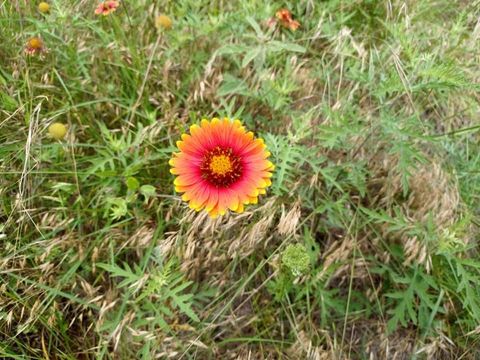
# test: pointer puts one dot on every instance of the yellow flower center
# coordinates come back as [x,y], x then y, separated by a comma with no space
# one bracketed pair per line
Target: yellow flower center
[35,43]
[220,164]
[221,167]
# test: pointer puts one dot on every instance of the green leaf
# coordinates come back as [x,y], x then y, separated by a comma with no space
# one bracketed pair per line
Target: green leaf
[255,26]
[286,156]
[7,102]
[106,174]
[127,273]
[132,183]
[416,302]
[182,302]
[148,191]
[279,46]
[232,85]
[250,55]
[231,49]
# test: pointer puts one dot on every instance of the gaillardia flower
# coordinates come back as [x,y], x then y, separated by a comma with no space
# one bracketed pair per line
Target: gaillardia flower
[34,46]
[163,22]
[221,166]
[284,16]
[106,7]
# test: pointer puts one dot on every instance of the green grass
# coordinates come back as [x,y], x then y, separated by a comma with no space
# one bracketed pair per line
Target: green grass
[365,246]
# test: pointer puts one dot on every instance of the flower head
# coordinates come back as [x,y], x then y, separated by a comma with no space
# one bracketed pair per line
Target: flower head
[221,166]
[43,7]
[284,16]
[57,131]
[107,7]
[296,258]
[34,46]
[163,22]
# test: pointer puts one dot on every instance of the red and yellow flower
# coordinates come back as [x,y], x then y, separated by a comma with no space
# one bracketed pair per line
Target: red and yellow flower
[34,46]
[107,7]
[221,166]
[284,16]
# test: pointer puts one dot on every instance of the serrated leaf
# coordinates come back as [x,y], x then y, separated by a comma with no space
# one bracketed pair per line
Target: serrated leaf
[185,307]
[126,273]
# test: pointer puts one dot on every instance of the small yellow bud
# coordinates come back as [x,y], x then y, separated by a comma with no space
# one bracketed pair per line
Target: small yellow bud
[43,7]
[57,131]
[163,22]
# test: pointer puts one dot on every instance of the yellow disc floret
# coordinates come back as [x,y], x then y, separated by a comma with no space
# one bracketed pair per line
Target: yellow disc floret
[221,167]
[35,43]
[220,164]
